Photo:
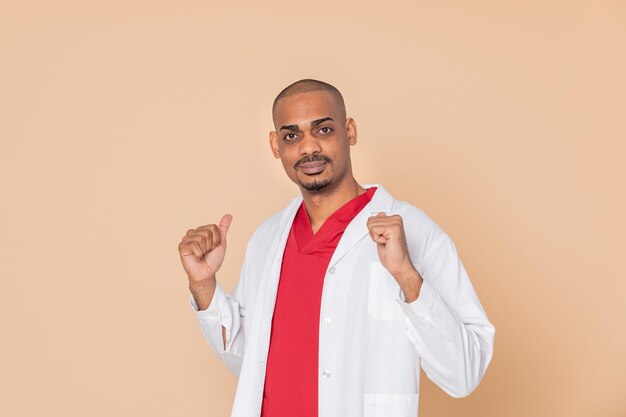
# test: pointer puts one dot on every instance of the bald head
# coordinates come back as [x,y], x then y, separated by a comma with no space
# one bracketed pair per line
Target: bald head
[307,85]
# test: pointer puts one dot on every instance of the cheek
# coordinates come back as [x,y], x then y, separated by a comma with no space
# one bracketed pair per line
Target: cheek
[340,155]
[340,149]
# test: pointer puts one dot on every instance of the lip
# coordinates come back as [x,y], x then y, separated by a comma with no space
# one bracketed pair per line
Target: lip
[313,167]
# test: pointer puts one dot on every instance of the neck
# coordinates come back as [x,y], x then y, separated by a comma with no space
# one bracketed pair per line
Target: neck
[321,204]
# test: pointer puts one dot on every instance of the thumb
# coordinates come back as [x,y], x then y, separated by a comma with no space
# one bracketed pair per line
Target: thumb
[223,226]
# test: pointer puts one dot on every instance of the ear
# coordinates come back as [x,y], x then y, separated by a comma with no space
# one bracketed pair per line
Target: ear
[351,129]
[274,144]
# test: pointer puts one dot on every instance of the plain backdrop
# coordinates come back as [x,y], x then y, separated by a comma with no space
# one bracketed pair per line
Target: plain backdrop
[125,123]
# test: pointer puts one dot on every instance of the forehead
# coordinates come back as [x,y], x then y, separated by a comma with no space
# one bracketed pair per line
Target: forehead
[301,108]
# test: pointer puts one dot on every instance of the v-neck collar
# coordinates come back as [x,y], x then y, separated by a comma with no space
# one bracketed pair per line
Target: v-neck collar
[334,224]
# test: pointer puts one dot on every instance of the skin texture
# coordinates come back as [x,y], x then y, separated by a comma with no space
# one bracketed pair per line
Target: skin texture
[330,140]
[310,128]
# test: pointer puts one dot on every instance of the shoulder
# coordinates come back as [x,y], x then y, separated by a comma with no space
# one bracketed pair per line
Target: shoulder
[419,226]
[414,216]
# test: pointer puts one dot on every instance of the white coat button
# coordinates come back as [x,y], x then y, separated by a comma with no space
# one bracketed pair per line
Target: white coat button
[332,270]
[328,320]
[213,313]
[326,373]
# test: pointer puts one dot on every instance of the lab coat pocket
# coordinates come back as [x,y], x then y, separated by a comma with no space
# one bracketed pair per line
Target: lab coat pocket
[390,405]
[382,294]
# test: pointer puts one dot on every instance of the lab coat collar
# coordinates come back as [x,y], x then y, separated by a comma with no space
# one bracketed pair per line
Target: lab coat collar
[356,229]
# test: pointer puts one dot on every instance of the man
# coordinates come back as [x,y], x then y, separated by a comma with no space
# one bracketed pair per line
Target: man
[344,293]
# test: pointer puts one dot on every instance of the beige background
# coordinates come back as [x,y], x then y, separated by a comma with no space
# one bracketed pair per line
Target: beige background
[123,124]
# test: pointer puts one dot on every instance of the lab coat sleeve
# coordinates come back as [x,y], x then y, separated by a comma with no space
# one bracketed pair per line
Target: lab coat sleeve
[226,310]
[447,323]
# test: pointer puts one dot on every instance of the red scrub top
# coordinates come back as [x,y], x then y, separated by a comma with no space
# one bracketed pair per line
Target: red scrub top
[292,364]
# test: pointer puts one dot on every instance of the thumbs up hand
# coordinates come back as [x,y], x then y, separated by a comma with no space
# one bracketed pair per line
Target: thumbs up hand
[202,250]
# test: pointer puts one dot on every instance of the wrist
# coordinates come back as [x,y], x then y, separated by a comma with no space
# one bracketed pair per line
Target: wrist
[202,292]
[208,278]
[208,283]
[410,283]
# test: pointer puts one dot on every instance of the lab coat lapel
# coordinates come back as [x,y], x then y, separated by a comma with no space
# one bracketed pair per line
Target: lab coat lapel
[279,242]
[357,228]
[272,270]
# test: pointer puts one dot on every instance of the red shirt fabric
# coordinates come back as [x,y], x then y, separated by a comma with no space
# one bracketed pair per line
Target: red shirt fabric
[292,365]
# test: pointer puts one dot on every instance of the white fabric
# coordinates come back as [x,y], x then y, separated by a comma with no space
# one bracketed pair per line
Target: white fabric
[372,346]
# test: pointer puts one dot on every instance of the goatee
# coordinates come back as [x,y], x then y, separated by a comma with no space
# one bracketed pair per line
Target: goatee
[315,185]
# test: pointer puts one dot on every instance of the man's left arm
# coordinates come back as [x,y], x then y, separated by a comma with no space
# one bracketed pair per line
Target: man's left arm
[444,318]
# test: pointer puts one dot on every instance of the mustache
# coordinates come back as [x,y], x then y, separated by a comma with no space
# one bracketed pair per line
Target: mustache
[312,158]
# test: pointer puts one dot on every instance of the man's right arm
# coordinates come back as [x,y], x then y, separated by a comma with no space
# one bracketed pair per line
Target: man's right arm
[220,315]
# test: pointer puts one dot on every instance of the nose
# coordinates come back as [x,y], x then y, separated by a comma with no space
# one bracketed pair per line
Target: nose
[309,144]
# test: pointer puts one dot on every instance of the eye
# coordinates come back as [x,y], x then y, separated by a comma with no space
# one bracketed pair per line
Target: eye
[325,130]
[290,136]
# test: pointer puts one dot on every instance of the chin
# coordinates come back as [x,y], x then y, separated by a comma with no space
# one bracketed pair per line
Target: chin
[315,185]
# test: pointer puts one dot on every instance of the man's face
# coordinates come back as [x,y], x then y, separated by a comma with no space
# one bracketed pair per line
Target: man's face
[313,139]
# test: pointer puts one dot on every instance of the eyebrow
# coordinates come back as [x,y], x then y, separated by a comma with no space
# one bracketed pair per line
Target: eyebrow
[313,124]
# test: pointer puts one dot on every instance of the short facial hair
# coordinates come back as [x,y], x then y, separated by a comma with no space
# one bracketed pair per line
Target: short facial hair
[315,185]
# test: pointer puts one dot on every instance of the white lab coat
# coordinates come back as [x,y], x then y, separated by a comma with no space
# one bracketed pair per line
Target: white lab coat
[371,341]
